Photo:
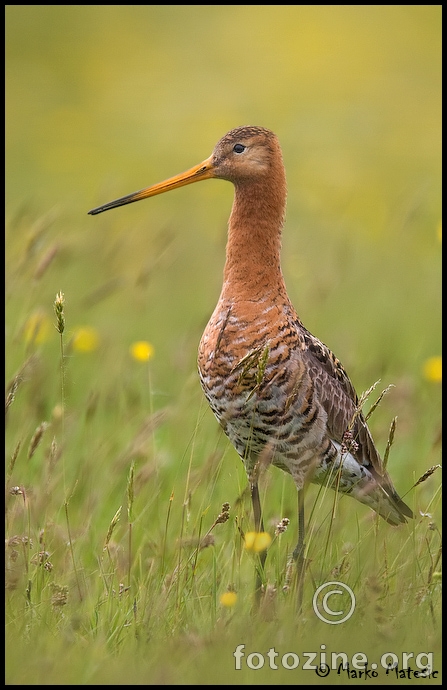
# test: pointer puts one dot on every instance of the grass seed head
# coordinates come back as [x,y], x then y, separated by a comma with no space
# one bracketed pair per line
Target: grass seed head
[60,595]
[282,526]
[426,475]
[112,526]
[59,303]
[224,514]
[36,439]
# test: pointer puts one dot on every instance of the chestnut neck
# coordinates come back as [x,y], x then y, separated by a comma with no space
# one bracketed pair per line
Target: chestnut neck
[253,267]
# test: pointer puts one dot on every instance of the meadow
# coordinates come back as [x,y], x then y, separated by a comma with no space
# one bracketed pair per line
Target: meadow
[124,563]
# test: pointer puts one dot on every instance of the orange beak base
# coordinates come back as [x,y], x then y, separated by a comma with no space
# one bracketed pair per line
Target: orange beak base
[203,171]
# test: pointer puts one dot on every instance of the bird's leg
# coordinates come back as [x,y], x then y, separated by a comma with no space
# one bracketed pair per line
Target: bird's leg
[259,527]
[298,554]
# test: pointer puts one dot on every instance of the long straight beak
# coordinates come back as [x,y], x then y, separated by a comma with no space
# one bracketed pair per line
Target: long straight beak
[203,171]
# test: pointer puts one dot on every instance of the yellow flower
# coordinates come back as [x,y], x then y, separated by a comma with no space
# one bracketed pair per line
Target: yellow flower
[142,351]
[37,328]
[85,339]
[228,599]
[433,369]
[257,541]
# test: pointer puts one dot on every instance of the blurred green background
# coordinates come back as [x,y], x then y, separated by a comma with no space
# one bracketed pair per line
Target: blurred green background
[104,100]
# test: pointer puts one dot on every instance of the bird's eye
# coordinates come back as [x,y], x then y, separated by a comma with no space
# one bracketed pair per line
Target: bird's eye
[239,148]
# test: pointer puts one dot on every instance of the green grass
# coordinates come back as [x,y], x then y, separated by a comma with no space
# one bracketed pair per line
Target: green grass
[116,470]
[94,599]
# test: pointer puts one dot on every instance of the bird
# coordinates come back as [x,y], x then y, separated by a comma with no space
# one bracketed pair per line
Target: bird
[280,395]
